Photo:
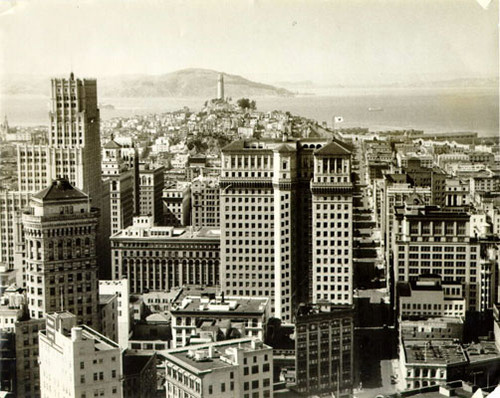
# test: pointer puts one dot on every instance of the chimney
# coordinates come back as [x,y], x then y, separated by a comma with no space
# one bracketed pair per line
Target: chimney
[211,351]
[284,138]
[76,334]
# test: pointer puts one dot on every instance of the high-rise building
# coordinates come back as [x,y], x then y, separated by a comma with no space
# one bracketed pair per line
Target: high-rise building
[76,361]
[325,350]
[220,87]
[60,245]
[120,177]
[159,258]
[72,151]
[427,240]
[151,183]
[74,147]
[286,221]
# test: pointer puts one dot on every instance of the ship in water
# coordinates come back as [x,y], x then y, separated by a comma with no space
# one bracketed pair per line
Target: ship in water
[375,109]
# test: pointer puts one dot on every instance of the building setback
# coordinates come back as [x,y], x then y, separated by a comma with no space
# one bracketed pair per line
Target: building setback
[160,258]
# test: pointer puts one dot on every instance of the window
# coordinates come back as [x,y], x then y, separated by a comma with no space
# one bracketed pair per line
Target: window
[210,389]
[223,387]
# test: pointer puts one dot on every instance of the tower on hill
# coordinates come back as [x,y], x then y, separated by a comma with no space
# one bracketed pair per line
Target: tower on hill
[220,87]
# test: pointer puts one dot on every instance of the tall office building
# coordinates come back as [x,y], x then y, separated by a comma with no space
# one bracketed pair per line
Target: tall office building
[76,361]
[120,177]
[427,240]
[281,201]
[151,183]
[60,245]
[73,147]
[332,275]
[72,151]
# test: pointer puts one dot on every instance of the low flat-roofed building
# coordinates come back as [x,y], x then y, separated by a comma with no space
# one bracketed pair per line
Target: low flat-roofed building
[458,388]
[425,363]
[160,258]
[76,361]
[194,317]
[232,368]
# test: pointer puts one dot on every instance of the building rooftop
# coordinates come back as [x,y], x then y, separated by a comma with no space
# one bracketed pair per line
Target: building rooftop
[149,232]
[60,189]
[112,144]
[442,352]
[220,305]
[203,358]
[334,148]
[482,351]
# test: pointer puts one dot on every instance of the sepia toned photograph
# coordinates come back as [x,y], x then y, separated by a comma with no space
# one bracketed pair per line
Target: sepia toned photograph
[249,199]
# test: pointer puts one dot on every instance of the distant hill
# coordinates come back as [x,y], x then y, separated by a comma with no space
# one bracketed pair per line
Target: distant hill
[200,83]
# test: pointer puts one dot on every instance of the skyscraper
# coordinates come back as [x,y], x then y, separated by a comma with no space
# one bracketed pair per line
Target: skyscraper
[72,151]
[286,231]
[60,253]
[73,147]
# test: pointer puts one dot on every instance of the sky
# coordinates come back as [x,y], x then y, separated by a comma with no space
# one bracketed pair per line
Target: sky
[324,41]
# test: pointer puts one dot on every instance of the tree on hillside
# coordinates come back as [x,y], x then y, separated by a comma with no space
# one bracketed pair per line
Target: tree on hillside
[245,103]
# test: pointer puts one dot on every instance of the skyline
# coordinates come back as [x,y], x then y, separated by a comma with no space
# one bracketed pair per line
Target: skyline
[339,42]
